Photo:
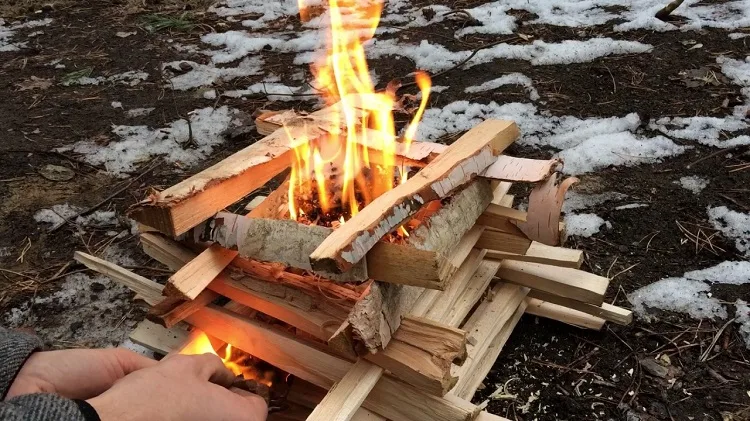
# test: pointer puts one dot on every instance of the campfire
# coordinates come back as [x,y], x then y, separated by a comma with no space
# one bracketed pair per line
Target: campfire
[392,267]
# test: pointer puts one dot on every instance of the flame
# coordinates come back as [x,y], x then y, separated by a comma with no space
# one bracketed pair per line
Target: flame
[238,362]
[339,167]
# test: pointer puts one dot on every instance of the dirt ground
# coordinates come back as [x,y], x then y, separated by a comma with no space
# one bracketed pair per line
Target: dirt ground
[547,371]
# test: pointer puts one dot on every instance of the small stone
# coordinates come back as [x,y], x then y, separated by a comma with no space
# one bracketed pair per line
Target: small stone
[186,67]
[654,368]
[97,287]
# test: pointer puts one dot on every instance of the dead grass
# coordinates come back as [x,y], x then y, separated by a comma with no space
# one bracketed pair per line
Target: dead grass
[19,8]
[144,6]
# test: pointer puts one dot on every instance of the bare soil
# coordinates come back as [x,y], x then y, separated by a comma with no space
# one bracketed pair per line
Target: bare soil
[572,373]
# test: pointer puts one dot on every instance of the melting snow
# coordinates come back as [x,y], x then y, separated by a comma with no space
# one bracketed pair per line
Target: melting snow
[693,183]
[690,293]
[734,225]
[8,31]
[510,79]
[584,224]
[138,144]
[632,206]
[743,319]
[205,75]
[129,78]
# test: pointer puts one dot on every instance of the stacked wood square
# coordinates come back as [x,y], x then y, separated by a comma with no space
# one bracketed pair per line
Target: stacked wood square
[401,332]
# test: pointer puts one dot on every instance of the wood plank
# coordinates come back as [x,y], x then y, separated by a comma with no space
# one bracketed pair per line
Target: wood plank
[456,166]
[481,365]
[183,206]
[563,314]
[167,252]
[475,288]
[542,253]
[191,279]
[492,239]
[606,311]
[169,317]
[346,396]
[453,290]
[565,282]
[158,338]
[507,201]
[146,289]
[501,218]
[440,340]
[521,169]
[392,399]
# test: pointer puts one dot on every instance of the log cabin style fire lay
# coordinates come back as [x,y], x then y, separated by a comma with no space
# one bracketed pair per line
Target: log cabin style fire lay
[382,278]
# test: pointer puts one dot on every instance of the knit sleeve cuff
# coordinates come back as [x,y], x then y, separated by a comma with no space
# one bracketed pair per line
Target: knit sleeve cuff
[43,407]
[15,349]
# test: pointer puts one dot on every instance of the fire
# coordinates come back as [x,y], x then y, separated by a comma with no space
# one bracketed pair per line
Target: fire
[238,362]
[338,170]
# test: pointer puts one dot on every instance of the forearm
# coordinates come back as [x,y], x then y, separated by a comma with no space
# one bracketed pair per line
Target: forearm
[43,407]
[15,349]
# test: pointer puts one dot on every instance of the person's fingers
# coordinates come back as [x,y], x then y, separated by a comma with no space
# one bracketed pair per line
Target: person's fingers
[207,367]
[130,361]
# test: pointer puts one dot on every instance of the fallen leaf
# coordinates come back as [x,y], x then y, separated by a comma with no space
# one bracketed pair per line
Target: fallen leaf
[56,173]
[125,34]
[34,83]
[696,46]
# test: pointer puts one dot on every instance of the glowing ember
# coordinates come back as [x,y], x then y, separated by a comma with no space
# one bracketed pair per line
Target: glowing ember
[337,174]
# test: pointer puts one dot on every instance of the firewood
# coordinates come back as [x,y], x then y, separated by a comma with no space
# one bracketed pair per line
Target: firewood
[471,294]
[437,309]
[541,253]
[493,239]
[346,396]
[563,314]
[456,166]
[565,282]
[146,289]
[183,206]
[500,217]
[171,315]
[483,362]
[509,168]
[392,399]
[158,338]
[191,279]
[484,326]
[606,311]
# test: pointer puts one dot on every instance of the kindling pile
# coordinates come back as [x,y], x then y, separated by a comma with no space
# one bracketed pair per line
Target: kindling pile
[397,305]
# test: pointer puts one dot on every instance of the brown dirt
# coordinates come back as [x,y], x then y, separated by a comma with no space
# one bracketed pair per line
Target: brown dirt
[575,373]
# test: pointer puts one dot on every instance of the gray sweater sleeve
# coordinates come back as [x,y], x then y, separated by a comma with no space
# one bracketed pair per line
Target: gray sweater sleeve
[15,349]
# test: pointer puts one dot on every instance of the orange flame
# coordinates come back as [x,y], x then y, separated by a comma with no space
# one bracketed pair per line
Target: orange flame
[339,167]
[238,363]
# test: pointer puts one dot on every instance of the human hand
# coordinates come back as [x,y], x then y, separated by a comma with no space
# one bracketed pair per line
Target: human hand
[76,373]
[180,388]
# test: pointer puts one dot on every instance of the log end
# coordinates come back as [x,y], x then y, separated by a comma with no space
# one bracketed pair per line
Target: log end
[328,264]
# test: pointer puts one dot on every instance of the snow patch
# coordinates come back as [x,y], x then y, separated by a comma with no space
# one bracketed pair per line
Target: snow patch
[693,183]
[206,75]
[584,224]
[734,225]
[129,78]
[632,206]
[139,144]
[8,32]
[140,112]
[510,79]
[742,315]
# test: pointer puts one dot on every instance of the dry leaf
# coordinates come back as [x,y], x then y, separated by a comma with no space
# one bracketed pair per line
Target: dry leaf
[34,83]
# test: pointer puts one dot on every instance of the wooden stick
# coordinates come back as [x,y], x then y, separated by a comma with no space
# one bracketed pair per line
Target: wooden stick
[146,289]
[492,239]
[177,313]
[457,165]
[394,400]
[565,282]
[563,314]
[346,396]
[521,169]
[158,338]
[606,311]
[475,371]
[541,253]
[195,276]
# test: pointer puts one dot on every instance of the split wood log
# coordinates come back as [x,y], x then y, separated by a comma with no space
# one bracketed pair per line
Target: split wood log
[563,314]
[183,206]
[445,301]
[565,282]
[545,204]
[169,311]
[191,279]
[146,289]
[493,239]
[541,253]
[429,363]
[158,338]
[456,166]
[422,262]
[392,399]
[483,362]
[500,217]
[507,201]
[606,311]
[346,396]
[509,168]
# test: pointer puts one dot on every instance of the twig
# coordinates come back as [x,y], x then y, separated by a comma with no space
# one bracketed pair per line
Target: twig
[735,201]
[711,155]
[464,61]
[107,199]
[705,354]
[664,13]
